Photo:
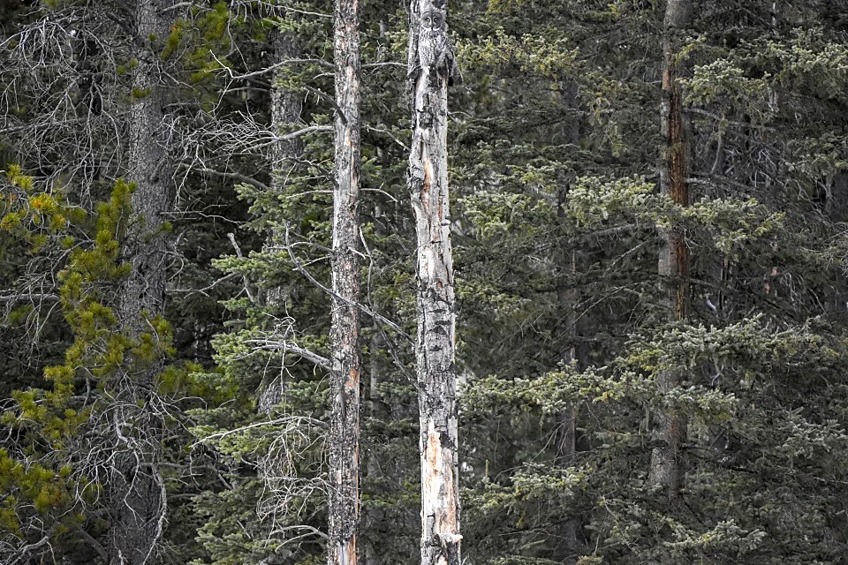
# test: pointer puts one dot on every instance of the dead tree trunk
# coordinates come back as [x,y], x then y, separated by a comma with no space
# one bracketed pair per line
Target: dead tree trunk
[344,334]
[666,469]
[430,69]
[136,490]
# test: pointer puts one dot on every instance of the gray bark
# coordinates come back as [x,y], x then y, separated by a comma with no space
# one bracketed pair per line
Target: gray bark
[667,467]
[431,65]
[344,334]
[566,445]
[136,491]
[286,107]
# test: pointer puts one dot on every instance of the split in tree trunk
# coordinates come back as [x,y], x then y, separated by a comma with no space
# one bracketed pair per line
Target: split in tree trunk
[431,66]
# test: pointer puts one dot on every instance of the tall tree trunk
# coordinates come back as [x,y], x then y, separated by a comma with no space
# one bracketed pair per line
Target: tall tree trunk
[666,467]
[566,440]
[135,488]
[286,109]
[344,334]
[431,65]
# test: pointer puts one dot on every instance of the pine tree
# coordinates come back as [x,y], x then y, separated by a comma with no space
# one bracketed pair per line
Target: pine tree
[135,489]
[667,466]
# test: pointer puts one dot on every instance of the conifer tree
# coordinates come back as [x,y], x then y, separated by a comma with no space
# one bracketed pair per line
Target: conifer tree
[667,467]
[136,489]
[578,348]
[284,155]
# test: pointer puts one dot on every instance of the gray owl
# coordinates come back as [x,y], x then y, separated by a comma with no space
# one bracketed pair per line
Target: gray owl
[435,50]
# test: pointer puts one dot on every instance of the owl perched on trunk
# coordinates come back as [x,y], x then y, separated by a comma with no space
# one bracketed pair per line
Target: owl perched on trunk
[435,50]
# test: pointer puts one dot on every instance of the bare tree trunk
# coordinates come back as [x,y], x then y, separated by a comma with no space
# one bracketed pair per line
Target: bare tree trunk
[566,443]
[666,467]
[135,487]
[286,108]
[344,334]
[431,68]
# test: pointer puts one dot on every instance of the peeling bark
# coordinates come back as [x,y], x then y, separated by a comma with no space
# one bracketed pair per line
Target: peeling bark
[344,508]
[667,468]
[430,69]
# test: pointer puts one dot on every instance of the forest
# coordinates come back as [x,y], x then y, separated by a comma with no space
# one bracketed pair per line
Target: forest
[449,282]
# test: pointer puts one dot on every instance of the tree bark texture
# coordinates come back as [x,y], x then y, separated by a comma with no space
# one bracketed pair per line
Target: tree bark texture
[430,65]
[667,467]
[344,333]
[135,488]
[286,108]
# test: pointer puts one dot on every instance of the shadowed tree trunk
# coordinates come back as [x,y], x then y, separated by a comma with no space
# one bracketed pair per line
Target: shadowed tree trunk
[570,261]
[430,69]
[135,487]
[666,469]
[286,106]
[344,334]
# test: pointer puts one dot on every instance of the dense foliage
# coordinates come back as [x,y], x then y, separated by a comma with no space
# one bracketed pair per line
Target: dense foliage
[563,324]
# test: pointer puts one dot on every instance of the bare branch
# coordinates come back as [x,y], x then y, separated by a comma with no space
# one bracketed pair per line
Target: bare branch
[265,423]
[271,68]
[288,347]
[235,245]
[364,309]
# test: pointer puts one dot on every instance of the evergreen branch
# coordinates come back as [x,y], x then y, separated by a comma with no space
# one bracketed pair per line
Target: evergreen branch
[388,342]
[388,133]
[238,176]
[235,245]
[328,98]
[364,309]
[274,422]
[310,530]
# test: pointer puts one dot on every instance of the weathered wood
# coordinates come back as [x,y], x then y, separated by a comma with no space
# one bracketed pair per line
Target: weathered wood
[431,66]
[344,507]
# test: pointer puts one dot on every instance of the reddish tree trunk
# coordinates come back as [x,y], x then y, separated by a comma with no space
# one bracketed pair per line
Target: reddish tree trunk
[666,459]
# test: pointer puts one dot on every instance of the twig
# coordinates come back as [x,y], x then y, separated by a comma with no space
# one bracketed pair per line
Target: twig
[273,67]
[364,309]
[274,422]
[287,347]
[232,239]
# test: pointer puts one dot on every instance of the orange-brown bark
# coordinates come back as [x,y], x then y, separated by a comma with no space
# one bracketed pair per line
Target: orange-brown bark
[666,468]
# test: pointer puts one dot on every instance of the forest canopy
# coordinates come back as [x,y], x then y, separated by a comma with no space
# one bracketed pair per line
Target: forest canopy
[289,282]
